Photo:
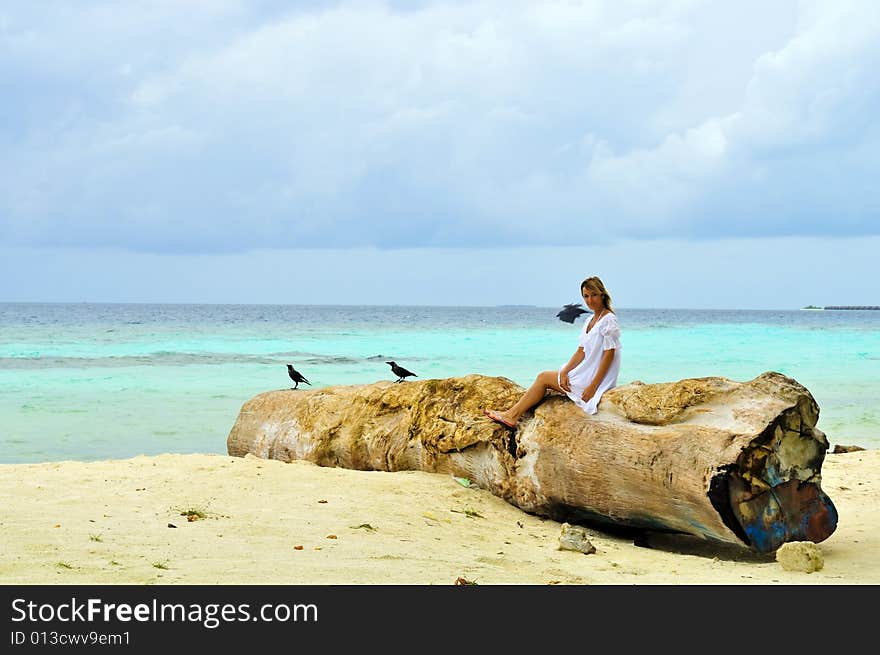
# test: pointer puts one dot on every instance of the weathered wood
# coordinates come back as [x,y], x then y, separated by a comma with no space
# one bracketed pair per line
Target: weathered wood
[727,461]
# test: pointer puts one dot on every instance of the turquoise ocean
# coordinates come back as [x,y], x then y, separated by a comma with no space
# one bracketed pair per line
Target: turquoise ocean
[107,381]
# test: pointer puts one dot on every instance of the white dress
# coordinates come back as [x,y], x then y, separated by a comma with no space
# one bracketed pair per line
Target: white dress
[604,335]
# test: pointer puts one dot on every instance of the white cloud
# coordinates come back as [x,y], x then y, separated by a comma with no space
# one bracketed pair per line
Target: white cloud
[812,90]
[804,103]
[215,126]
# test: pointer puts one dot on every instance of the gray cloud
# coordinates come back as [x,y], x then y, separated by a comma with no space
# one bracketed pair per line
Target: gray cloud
[224,126]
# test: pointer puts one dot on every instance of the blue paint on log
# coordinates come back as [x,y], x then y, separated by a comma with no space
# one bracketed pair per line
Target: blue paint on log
[791,511]
[768,532]
[772,475]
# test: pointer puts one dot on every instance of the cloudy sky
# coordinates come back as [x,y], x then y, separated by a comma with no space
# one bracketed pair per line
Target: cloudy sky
[691,153]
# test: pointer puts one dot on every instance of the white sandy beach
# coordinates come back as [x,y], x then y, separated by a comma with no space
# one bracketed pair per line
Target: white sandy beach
[268,522]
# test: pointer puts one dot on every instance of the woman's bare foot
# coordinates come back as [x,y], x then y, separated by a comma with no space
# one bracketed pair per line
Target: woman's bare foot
[499,417]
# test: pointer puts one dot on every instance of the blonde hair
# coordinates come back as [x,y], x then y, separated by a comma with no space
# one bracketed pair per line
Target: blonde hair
[595,284]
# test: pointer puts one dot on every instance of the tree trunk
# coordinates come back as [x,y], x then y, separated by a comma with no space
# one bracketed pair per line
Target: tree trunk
[727,461]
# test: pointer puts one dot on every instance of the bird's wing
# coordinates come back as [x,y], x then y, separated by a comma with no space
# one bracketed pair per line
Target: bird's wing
[570,312]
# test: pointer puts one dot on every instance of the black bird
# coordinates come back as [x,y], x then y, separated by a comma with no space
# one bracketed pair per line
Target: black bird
[400,372]
[570,312]
[296,376]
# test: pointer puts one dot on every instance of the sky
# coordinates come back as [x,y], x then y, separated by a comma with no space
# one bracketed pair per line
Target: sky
[693,154]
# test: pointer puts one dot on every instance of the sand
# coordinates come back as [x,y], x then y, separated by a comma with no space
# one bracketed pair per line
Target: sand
[267,522]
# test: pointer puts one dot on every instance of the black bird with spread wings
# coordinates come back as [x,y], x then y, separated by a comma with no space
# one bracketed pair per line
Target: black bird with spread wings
[400,372]
[296,376]
[570,312]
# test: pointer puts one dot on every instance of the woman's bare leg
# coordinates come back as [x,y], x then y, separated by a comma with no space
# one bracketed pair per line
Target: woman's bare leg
[533,395]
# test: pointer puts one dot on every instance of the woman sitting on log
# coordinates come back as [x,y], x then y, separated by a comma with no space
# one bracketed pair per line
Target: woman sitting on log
[592,369]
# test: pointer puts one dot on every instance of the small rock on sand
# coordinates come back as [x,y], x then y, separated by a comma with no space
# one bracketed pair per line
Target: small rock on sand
[800,556]
[845,449]
[574,537]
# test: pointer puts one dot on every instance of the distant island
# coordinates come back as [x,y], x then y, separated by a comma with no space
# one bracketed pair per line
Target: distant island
[852,306]
[843,307]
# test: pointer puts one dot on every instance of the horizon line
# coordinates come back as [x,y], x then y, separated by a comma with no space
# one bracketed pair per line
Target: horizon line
[496,306]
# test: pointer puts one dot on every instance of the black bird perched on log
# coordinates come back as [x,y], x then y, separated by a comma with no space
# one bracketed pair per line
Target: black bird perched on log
[296,376]
[400,372]
[570,312]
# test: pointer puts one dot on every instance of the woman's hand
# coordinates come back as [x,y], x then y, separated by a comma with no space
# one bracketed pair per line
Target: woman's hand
[589,392]
[564,382]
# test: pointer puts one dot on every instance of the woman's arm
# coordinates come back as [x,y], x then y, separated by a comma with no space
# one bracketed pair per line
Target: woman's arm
[604,365]
[576,359]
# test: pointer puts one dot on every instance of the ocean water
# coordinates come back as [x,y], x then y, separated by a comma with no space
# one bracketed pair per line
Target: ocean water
[104,381]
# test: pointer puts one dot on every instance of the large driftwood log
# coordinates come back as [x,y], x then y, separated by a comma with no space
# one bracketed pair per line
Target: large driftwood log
[727,461]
